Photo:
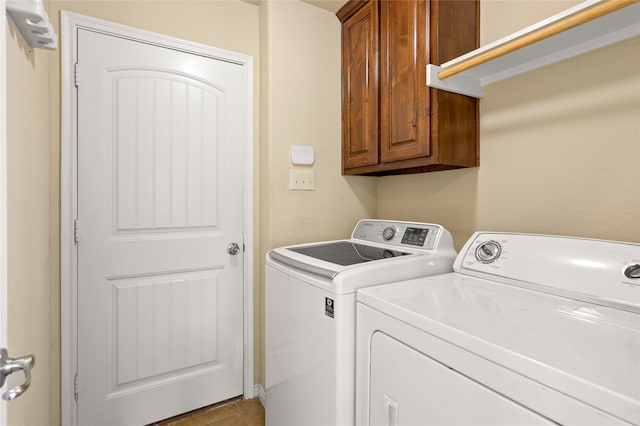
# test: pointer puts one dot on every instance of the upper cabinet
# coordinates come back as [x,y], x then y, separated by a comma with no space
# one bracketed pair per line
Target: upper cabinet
[392,122]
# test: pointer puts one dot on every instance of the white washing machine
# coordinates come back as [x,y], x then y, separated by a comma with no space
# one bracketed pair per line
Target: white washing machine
[310,307]
[528,330]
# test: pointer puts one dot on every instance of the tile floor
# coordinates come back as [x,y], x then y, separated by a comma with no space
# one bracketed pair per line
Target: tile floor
[235,412]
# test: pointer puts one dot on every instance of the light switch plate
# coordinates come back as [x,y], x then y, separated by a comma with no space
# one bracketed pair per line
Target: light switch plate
[302,180]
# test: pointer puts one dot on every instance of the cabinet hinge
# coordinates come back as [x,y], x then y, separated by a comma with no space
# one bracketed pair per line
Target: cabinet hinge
[76,71]
[76,231]
[75,387]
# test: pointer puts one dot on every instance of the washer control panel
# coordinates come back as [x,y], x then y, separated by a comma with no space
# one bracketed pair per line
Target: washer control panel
[402,234]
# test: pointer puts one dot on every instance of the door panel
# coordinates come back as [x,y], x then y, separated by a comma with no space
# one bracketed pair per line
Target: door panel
[160,301]
[163,323]
[154,109]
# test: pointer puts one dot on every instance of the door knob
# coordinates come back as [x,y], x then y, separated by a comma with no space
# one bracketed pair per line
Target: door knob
[11,365]
[233,248]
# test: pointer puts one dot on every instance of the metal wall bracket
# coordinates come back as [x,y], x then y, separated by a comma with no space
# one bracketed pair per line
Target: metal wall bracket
[33,23]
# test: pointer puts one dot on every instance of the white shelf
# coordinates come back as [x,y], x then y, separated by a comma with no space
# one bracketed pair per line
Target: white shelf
[610,28]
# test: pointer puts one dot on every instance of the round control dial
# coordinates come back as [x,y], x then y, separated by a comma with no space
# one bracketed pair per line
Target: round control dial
[632,271]
[488,251]
[388,233]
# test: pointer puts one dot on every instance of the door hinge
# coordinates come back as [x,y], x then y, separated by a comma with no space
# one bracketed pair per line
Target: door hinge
[75,74]
[75,387]
[76,231]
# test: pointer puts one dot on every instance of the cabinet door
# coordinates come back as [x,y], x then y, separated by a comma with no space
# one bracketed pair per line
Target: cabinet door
[404,95]
[360,88]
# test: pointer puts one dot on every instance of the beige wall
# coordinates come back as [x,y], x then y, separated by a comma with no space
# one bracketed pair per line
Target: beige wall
[303,101]
[301,95]
[559,147]
[34,170]
[300,51]
[31,293]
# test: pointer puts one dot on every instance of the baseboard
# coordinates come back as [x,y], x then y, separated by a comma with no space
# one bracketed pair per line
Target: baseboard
[261,393]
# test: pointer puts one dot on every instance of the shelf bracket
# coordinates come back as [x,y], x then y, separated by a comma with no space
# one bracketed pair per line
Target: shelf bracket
[587,26]
[32,21]
[462,84]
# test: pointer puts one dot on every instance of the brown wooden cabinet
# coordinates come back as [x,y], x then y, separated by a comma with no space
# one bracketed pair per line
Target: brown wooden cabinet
[392,122]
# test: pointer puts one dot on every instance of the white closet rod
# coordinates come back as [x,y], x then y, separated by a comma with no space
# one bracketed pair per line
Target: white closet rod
[577,30]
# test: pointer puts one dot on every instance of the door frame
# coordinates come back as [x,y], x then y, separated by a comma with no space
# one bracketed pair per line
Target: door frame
[70,23]
[4,302]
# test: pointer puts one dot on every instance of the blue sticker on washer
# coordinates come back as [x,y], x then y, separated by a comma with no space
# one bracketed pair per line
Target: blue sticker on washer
[328,307]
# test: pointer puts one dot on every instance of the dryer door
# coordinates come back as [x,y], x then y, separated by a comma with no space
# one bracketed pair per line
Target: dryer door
[410,388]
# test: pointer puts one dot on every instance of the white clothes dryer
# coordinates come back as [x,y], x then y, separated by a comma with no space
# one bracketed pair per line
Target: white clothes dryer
[528,330]
[310,313]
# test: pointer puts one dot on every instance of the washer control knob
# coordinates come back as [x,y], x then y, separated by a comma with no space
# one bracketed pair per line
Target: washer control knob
[388,233]
[488,251]
[632,271]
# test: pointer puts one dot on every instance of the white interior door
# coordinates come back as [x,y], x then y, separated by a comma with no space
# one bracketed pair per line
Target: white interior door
[160,198]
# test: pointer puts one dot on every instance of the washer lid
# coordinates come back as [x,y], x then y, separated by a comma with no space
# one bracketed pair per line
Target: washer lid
[379,251]
[590,352]
[372,264]
[347,253]
[328,259]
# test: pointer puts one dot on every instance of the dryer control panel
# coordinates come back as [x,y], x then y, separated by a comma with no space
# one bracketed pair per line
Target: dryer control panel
[598,271]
